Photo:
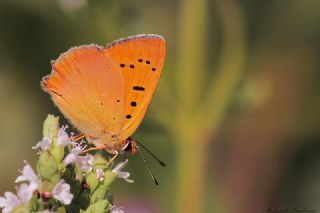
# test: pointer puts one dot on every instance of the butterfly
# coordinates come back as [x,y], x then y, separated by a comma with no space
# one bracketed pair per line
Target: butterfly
[105,91]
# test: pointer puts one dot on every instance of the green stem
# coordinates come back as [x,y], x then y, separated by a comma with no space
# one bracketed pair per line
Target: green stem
[190,184]
[191,52]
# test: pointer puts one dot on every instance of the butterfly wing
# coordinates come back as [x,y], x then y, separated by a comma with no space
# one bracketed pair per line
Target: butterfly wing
[88,88]
[140,59]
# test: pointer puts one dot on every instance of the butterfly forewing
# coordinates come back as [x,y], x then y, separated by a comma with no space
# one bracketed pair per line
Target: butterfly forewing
[140,60]
[89,89]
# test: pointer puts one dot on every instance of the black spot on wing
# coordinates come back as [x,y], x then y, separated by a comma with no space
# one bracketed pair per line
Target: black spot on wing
[138,88]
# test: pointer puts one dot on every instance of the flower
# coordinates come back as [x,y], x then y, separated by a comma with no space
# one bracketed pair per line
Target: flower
[24,191]
[116,209]
[10,200]
[44,144]
[120,174]
[28,175]
[61,192]
[100,175]
[85,162]
[63,138]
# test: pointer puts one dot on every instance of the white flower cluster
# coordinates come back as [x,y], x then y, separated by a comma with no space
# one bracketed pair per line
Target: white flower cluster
[84,162]
[29,180]
[29,184]
[62,140]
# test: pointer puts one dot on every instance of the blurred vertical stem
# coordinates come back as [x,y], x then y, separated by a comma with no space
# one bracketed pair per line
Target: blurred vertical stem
[194,116]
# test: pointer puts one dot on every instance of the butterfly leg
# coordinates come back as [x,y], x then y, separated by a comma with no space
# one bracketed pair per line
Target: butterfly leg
[79,137]
[92,149]
[113,158]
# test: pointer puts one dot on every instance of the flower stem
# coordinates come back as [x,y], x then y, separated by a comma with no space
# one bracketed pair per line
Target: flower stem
[190,191]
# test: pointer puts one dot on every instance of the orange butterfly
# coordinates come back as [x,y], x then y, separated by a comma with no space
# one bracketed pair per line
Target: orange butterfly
[105,91]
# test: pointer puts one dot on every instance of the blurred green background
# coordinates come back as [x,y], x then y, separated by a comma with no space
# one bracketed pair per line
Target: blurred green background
[236,115]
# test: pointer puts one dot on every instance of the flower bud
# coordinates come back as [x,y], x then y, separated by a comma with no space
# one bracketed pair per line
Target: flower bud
[51,126]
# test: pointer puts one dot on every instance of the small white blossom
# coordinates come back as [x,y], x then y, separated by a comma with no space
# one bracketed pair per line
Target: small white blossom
[25,192]
[10,200]
[28,175]
[85,162]
[61,192]
[44,144]
[120,174]
[71,157]
[116,209]
[63,138]
[100,175]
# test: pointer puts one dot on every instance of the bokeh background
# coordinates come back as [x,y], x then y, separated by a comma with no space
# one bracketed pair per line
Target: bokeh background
[236,115]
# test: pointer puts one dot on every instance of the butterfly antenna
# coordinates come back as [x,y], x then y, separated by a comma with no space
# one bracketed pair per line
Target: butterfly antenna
[155,157]
[146,164]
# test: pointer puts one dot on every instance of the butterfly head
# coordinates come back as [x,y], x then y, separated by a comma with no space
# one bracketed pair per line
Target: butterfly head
[129,146]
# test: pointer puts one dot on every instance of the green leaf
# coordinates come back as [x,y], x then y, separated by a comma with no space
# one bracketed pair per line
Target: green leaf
[109,177]
[34,205]
[83,200]
[99,162]
[62,168]
[21,209]
[103,187]
[61,210]
[100,206]
[92,180]
[47,165]
[72,208]
[57,151]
